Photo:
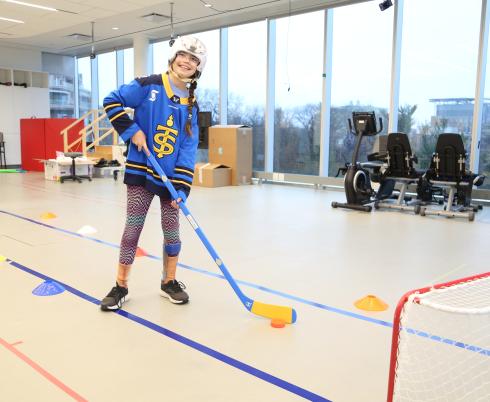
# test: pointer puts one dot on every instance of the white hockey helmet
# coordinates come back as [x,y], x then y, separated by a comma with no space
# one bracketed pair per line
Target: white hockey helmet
[191,45]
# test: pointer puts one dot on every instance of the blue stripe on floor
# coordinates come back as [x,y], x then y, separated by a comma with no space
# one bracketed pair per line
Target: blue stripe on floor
[287,386]
[205,272]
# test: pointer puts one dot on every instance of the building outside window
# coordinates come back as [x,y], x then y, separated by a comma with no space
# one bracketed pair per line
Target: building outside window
[438,72]
[61,96]
[61,84]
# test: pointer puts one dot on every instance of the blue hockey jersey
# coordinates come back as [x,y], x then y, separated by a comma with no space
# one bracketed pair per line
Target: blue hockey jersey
[162,116]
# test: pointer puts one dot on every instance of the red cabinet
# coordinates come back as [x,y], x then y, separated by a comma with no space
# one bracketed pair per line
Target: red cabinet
[41,138]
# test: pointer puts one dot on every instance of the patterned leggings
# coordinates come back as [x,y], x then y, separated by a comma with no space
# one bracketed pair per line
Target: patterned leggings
[139,200]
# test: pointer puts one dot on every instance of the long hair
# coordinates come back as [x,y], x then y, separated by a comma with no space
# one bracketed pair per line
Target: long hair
[192,100]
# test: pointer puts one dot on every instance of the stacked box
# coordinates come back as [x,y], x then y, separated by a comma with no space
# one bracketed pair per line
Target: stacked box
[231,146]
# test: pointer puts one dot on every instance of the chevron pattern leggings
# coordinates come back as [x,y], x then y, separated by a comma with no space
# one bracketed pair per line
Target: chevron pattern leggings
[139,200]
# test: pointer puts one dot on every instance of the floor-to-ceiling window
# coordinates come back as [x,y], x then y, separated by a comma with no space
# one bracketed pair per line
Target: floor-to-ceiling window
[247,56]
[484,160]
[438,71]
[299,58]
[106,63]
[361,73]
[128,71]
[84,85]
[107,74]
[208,85]
[207,92]
[61,84]
[160,56]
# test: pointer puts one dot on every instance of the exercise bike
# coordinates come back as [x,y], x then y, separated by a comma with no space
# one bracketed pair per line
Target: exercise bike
[357,180]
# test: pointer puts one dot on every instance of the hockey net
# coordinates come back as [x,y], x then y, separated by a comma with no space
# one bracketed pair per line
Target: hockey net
[441,343]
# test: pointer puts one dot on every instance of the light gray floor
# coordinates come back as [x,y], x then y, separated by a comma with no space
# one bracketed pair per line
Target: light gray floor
[286,239]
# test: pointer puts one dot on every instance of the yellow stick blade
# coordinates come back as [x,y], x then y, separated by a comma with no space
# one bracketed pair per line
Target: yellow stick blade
[287,314]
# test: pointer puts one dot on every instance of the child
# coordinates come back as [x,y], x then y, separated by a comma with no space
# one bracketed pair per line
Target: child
[165,124]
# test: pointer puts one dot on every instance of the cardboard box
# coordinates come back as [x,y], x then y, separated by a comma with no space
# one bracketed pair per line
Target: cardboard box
[54,169]
[232,146]
[211,175]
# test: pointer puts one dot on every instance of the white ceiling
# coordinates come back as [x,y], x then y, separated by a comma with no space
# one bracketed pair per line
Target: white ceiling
[48,31]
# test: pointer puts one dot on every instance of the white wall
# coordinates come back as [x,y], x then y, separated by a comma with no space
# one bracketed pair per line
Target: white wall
[21,59]
[18,102]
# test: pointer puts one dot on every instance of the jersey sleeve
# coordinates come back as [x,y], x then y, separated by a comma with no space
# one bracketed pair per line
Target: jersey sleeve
[128,95]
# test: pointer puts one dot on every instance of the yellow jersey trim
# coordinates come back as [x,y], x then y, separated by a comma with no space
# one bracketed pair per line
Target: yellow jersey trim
[117,115]
[106,108]
[136,166]
[180,182]
[184,170]
[168,89]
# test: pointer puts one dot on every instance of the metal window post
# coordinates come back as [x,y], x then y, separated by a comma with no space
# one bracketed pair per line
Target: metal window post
[326,93]
[270,97]
[77,94]
[395,66]
[95,82]
[480,89]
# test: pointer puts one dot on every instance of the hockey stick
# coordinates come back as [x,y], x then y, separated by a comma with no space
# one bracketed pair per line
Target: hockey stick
[287,314]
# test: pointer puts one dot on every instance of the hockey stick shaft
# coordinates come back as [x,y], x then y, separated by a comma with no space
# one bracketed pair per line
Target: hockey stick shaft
[288,314]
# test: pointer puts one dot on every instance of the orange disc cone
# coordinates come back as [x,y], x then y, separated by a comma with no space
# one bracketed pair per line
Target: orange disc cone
[48,215]
[140,252]
[371,303]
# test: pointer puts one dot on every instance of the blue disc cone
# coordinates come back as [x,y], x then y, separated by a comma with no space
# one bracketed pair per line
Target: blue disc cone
[48,288]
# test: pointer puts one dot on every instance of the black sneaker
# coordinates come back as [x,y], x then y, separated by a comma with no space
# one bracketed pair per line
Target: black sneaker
[101,163]
[175,292]
[115,299]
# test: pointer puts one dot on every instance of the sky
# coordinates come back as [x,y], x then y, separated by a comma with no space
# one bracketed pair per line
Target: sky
[439,56]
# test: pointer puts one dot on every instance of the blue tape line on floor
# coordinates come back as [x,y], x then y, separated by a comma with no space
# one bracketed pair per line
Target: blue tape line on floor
[202,271]
[186,341]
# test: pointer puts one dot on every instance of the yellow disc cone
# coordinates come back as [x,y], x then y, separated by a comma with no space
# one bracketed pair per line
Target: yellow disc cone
[371,303]
[3,258]
[48,215]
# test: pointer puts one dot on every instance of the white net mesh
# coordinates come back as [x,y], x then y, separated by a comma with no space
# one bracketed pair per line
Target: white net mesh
[444,345]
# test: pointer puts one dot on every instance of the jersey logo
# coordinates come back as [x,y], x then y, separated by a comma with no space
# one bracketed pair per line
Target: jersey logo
[175,99]
[165,138]
[153,96]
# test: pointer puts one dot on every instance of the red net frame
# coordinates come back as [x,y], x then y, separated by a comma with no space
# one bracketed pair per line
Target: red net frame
[396,322]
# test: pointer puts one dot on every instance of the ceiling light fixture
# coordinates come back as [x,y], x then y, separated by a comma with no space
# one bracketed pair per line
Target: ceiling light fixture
[11,20]
[155,18]
[208,5]
[115,28]
[22,3]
